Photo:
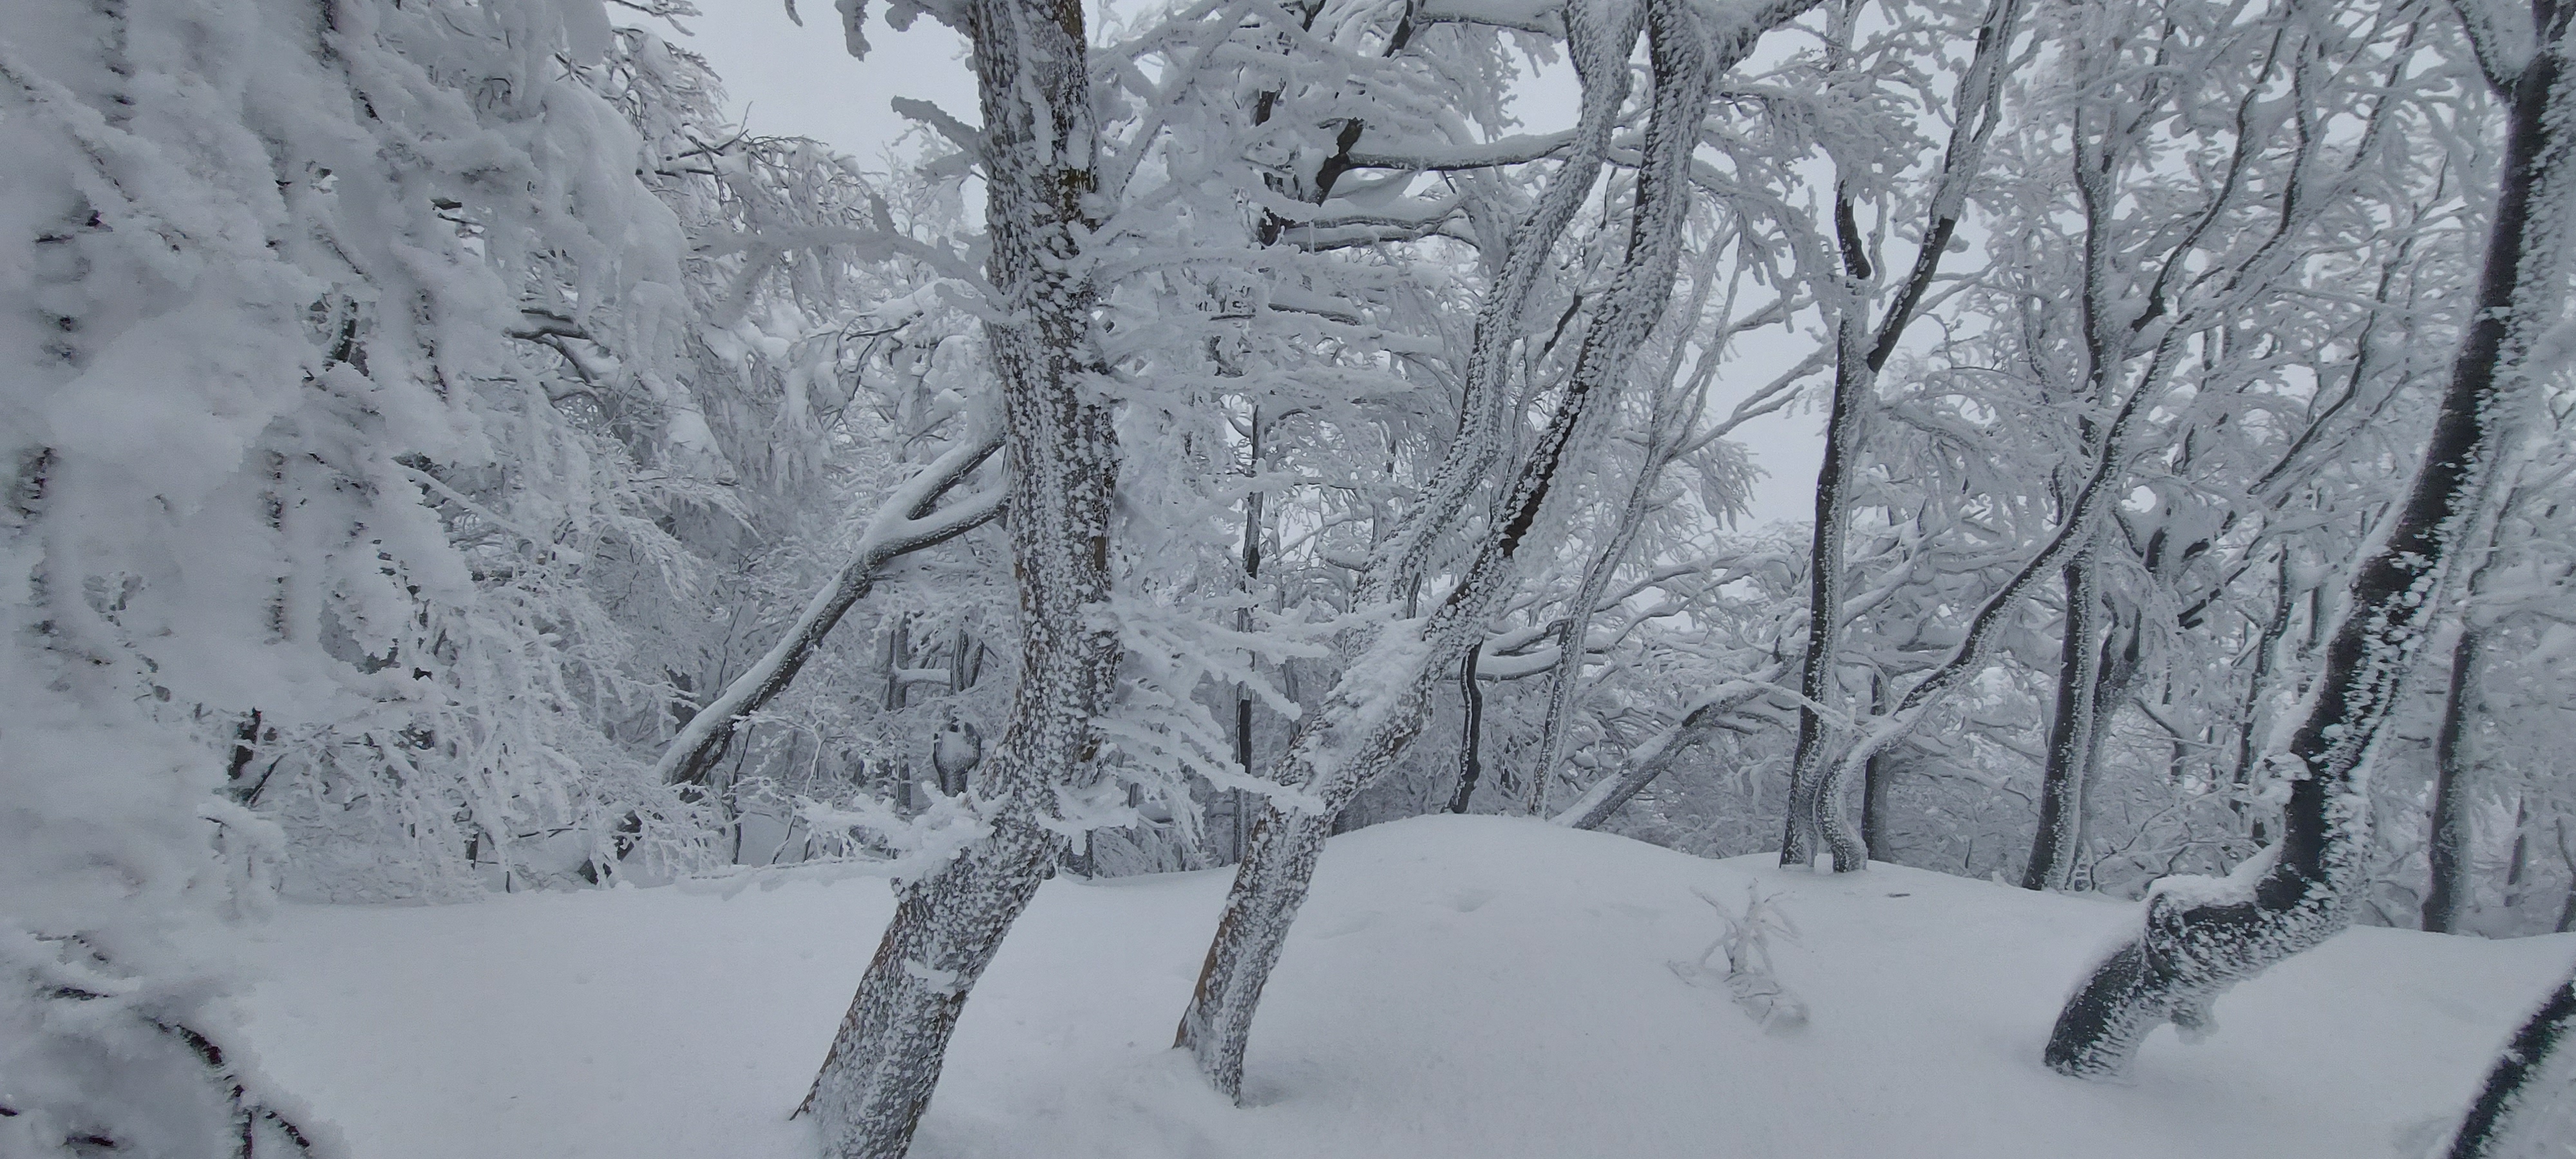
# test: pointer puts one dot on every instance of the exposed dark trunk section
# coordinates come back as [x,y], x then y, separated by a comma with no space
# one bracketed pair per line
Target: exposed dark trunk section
[2567,855]
[2198,943]
[1802,826]
[2507,1120]
[2447,847]
[1816,777]
[1243,623]
[1471,733]
[2070,730]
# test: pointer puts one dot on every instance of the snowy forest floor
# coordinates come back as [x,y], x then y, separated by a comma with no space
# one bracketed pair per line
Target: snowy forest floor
[1465,986]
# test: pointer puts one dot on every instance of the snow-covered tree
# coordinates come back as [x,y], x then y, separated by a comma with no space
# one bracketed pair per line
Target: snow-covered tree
[2202,936]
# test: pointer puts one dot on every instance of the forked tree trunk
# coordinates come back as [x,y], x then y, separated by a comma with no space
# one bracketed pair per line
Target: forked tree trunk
[1038,158]
[1374,712]
[1816,777]
[2197,942]
[2528,1102]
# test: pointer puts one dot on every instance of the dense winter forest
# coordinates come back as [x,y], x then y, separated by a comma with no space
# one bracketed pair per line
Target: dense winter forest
[447,456]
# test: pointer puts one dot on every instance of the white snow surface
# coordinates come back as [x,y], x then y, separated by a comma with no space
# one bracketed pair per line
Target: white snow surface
[1457,986]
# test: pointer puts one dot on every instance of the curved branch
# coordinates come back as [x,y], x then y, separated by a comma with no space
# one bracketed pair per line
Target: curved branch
[904,523]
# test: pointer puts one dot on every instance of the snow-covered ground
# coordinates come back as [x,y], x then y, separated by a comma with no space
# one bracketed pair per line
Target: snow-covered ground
[1457,986]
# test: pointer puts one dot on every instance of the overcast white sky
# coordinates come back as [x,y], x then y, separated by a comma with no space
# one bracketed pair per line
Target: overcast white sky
[798,81]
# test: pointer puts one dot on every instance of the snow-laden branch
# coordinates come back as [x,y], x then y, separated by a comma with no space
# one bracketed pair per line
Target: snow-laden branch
[1714,711]
[2501,40]
[1442,157]
[904,523]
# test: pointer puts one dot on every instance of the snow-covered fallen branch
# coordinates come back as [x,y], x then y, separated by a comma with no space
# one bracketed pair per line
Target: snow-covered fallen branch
[1749,979]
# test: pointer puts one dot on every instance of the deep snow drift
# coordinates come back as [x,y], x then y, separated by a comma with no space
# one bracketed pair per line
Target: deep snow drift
[1465,986]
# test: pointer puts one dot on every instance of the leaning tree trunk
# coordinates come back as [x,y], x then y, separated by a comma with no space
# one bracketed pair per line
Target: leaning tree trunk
[2446,847]
[2527,1106]
[2198,941]
[1375,711]
[1062,451]
[904,523]
[1664,440]
[1716,710]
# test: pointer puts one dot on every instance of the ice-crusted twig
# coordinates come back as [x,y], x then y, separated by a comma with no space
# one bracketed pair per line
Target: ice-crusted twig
[1745,939]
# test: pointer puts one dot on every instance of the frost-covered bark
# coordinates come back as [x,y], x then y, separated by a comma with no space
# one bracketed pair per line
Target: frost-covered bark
[1802,824]
[2527,1106]
[2202,937]
[2071,731]
[1860,352]
[2446,842]
[1598,41]
[1667,429]
[1378,706]
[1039,153]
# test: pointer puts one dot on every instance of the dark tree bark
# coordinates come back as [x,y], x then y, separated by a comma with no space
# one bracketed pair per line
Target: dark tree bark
[2090,690]
[1243,622]
[1853,378]
[1471,733]
[2447,846]
[1039,159]
[2198,942]
[2508,1120]
[1816,779]
[2070,730]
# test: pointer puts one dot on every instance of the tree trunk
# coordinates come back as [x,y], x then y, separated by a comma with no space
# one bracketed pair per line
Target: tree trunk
[1877,783]
[1039,154]
[2197,943]
[1243,623]
[1668,430]
[2512,1117]
[1816,777]
[1801,828]
[2267,652]
[1471,732]
[2567,855]
[2070,730]
[2447,847]
[1374,712]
